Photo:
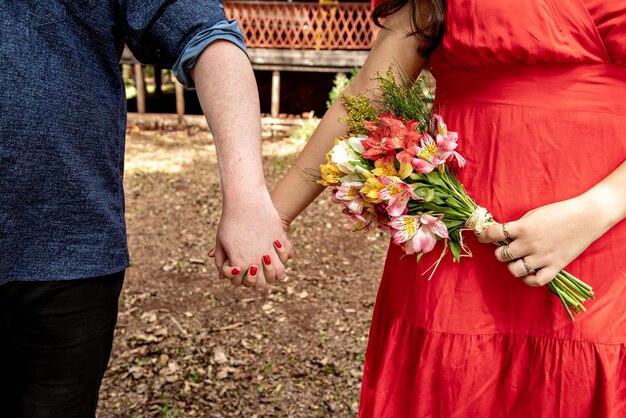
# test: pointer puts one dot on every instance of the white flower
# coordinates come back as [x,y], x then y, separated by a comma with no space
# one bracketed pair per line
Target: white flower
[355,143]
[346,154]
[351,178]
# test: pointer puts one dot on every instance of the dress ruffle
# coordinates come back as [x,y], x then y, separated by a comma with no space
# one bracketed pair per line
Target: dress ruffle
[423,373]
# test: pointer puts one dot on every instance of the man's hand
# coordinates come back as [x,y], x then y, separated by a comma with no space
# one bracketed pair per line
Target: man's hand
[251,246]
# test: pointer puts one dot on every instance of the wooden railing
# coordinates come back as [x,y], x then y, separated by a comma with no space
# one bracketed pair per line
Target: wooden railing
[346,26]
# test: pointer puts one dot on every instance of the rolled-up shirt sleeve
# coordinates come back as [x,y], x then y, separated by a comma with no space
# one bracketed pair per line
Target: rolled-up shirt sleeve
[227,30]
[173,33]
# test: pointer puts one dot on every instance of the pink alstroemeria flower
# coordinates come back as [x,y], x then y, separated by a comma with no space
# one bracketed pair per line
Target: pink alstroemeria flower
[424,158]
[397,195]
[447,144]
[382,218]
[446,141]
[438,126]
[350,195]
[417,233]
[362,221]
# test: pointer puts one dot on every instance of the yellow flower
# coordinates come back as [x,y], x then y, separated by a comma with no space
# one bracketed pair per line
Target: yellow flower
[405,170]
[371,188]
[330,173]
[385,170]
[390,170]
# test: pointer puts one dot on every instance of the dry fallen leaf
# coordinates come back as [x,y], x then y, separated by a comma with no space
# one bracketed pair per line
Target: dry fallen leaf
[219,356]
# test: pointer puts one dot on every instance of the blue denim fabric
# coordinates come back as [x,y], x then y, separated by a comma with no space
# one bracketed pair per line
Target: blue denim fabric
[63,122]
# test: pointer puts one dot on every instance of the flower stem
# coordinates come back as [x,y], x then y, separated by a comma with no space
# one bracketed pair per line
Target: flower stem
[569,313]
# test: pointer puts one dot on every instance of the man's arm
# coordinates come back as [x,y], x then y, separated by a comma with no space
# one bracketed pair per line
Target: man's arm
[228,94]
[195,39]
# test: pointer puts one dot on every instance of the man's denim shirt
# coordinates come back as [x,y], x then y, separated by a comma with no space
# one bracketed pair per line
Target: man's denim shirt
[63,121]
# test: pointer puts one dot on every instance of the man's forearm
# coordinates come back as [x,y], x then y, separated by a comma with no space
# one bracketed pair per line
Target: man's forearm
[228,94]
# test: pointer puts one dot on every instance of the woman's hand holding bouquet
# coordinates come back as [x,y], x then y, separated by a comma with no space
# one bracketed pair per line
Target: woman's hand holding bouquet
[395,170]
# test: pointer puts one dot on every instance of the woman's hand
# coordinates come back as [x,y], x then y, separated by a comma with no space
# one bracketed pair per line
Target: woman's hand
[548,238]
[251,246]
[258,281]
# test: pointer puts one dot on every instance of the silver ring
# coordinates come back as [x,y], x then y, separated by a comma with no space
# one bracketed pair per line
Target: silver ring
[506,253]
[505,231]
[529,269]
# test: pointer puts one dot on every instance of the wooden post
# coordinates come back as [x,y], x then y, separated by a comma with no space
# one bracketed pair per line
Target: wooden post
[275,109]
[140,85]
[180,100]
[158,81]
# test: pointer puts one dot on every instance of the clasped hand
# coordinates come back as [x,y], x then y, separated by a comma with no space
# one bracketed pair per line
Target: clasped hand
[251,246]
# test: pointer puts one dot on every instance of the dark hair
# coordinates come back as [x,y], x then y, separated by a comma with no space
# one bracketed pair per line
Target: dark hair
[428,29]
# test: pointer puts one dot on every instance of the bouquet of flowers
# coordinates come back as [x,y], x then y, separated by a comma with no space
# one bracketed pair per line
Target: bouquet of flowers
[395,169]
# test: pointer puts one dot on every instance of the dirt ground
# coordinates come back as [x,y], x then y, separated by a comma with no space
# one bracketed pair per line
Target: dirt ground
[190,345]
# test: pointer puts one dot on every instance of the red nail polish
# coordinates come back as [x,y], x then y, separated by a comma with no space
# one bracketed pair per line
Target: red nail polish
[252,271]
[278,244]
[267,260]
[234,271]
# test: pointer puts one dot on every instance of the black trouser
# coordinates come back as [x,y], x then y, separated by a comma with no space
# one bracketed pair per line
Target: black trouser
[55,343]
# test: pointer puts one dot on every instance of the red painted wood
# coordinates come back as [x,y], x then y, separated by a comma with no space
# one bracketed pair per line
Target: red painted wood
[345,26]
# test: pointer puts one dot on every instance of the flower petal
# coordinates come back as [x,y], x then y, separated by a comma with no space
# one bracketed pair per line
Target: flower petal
[439,228]
[422,166]
[398,204]
[356,144]
[404,228]
[405,170]
[424,239]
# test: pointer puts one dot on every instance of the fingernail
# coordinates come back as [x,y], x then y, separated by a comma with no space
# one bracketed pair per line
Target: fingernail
[234,271]
[253,270]
[211,252]
[278,244]
[267,260]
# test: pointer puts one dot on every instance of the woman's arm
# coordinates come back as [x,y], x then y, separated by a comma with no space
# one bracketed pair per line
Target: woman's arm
[550,237]
[296,190]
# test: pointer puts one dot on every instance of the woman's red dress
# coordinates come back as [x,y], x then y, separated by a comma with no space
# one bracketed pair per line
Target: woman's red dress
[537,91]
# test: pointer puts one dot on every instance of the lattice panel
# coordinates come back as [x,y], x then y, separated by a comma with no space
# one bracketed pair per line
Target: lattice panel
[304,25]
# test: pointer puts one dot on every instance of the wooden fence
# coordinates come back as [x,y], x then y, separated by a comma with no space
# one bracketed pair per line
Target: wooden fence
[283,36]
[281,25]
